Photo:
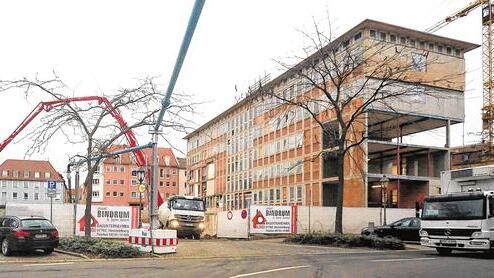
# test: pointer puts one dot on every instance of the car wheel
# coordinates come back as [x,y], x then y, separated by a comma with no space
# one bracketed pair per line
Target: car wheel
[48,251]
[444,251]
[6,250]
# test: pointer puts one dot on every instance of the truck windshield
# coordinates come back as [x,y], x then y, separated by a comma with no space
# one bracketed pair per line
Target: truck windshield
[454,209]
[187,204]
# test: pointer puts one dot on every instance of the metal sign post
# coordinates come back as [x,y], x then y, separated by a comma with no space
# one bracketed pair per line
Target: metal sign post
[51,193]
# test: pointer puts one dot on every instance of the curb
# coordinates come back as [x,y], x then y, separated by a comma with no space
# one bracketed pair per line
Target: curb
[71,253]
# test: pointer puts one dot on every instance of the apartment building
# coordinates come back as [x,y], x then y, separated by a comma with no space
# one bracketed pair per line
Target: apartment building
[26,181]
[245,156]
[115,182]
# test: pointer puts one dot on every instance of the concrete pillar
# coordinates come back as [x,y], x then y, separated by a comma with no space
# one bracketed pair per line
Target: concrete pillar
[448,145]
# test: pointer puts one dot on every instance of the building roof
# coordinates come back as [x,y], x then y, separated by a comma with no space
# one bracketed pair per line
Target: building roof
[162,153]
[366,24]
[32,166]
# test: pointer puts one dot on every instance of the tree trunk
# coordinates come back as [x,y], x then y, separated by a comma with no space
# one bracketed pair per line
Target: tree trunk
[338,223]
[89,194]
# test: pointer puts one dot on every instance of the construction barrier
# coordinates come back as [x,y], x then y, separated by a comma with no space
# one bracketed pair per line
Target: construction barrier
[164,241]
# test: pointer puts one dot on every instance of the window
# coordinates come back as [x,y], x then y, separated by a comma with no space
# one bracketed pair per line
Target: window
[114,193]
[26,184]
[4,184]
[5,173]
[95,181]
[115,169]
[107,194]
[174,172]
[457,52]
[162,173]
[174,184]
[161,183]
[26,196]
[431,46]
[392,38]
[114,181]
[382,36]
[167,160]
[121,194]
[122,182]
[16,173]
[419,62]
[372,33]
[96,194]
[448,50]
[357,36]
[36,196]
[36,185]
[403,40]
[14,195]
[37,175]
[299,194]
[26,174]
[134,182]
[440,48]
[4,195]
[108,181]
[133,194]
[422,45]
[122,169]
[108,169]
[14,184]
[47,175]
[134,173]
[167,183]
[411,43]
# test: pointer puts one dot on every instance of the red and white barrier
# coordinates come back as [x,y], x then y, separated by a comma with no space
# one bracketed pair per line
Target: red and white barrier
[164,241]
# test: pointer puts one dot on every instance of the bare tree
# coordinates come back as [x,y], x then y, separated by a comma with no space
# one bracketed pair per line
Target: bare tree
[94,124]
[336,82]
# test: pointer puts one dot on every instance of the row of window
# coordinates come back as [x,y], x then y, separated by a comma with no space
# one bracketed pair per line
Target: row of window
[278,170]
[283,144]
[280,195]
[429,46]
[4,184]
[25,174]
[26,196]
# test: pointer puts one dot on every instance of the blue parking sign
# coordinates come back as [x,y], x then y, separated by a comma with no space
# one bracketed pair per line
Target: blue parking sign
[52,185]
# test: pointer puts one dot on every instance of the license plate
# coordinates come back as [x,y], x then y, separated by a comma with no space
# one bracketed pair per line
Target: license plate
[41,236]
[188,224]
[448,241]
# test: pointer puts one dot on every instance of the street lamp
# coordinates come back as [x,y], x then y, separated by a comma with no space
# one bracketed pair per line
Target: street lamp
[141,174]
[384,200]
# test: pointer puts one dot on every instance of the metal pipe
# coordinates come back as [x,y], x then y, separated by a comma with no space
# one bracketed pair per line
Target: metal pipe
[76,199]
[194,18]
[122,151]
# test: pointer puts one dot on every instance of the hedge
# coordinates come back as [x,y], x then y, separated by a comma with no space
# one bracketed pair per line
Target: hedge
[347,240]
[99,248]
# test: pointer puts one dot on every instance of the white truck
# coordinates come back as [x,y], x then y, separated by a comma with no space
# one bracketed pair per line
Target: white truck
[184,214]
[463,217]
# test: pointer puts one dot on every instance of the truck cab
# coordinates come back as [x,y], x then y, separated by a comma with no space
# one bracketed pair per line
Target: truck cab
[184,214]
[459,221]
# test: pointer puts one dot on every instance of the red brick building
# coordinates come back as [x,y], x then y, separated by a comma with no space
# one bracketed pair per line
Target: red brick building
[116,181]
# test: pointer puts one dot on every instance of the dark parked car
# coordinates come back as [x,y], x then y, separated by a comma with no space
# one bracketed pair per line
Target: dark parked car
[404,229]
[27,234]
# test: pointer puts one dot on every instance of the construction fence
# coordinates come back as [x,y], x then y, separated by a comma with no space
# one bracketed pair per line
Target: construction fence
[299,220]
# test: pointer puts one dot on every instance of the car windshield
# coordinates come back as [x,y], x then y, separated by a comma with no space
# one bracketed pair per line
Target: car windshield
[36,223]
[454,209]
[187,204]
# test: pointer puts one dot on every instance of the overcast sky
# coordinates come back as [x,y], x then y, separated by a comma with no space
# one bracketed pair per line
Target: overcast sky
[100,46]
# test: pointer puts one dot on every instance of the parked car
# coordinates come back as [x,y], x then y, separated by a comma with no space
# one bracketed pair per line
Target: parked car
[404,229]
[27,234]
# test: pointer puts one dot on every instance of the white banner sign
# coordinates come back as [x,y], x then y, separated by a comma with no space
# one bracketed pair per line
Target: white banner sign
[272,219]
[108,221]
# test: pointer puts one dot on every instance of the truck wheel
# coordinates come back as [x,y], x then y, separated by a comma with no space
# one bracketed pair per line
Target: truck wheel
[6,250]
[48,251]
[197,236]
[444,251]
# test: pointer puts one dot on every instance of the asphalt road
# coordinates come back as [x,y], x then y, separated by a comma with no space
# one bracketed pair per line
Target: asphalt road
[324,264]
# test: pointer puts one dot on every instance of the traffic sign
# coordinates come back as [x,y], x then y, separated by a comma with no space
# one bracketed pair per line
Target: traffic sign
[52,185]
[142,188]
[51,194]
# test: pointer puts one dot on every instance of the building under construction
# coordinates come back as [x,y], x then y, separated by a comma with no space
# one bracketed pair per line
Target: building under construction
[242,157]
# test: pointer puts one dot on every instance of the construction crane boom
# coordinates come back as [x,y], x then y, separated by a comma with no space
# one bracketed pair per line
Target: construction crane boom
[487,65]
[105,104]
